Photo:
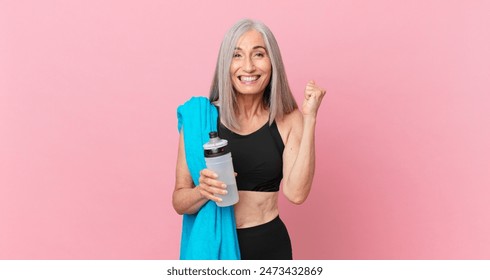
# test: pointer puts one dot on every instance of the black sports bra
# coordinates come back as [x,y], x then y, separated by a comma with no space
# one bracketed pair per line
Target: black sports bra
[257,157]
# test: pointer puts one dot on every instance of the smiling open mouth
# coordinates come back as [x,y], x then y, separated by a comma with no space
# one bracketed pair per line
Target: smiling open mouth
[248,78]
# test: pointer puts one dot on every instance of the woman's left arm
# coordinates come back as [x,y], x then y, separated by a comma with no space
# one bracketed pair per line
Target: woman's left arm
[299,151]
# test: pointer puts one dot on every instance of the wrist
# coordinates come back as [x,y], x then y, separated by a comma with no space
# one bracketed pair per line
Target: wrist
[309,120]
[199,193]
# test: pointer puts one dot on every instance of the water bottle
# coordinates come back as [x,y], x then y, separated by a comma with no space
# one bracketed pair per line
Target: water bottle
[218,159]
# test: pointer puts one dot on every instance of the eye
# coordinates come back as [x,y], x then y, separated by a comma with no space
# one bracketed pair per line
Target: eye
[237,55]
[259,54]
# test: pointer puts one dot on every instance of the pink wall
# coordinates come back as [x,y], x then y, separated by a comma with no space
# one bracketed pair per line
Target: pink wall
[88,138]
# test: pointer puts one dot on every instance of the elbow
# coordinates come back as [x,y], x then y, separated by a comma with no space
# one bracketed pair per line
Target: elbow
[297,200]
[175,204]
[179,207]
[182,211]
[179,211]
[183,204]
[297,195]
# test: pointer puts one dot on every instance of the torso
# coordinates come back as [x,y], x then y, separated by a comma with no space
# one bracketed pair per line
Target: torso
[255,208]
[259,207]
[257,157]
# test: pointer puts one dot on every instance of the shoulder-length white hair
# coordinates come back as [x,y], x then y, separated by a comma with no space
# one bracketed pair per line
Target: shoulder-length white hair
[277,96]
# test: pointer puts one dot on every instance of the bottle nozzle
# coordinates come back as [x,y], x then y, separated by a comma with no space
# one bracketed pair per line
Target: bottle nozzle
[215,146]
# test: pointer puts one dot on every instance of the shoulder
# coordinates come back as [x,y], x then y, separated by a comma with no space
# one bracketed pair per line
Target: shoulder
[195,108]
[291,120]
[290,124]
[196,101]
[294,117]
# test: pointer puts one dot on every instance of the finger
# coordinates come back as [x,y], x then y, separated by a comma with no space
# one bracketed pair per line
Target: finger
[210,196]
[218,191]
[213,186]
[211,183]
[315,90]
[322,92]
[208,173]
[212,190]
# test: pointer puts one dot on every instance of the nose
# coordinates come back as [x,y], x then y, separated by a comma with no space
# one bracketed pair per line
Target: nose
[248,65]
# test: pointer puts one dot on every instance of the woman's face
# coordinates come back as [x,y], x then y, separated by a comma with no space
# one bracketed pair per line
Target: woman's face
[251,66]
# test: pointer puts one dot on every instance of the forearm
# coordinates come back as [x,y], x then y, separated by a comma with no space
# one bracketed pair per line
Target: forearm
[188,200]
[299,180]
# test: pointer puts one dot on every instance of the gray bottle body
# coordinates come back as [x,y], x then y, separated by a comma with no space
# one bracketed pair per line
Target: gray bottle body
[218,159]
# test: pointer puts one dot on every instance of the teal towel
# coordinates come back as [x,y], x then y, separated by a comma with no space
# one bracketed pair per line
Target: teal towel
[210,234]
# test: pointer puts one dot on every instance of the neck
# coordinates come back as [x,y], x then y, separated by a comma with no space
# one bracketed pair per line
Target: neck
[250,106]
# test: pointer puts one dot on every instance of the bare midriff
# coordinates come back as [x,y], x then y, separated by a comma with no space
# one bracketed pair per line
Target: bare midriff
[255,208]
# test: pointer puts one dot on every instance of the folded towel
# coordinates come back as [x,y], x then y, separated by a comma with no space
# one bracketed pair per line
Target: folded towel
[210,234]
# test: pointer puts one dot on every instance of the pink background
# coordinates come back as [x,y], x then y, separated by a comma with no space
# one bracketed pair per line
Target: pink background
[88,137]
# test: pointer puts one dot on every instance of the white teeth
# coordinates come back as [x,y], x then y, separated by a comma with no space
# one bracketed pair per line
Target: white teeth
[249,78]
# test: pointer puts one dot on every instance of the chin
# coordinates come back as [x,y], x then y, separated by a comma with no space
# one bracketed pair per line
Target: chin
[250,92]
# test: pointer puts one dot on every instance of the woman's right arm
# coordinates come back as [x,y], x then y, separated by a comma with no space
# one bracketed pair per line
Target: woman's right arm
[186,198]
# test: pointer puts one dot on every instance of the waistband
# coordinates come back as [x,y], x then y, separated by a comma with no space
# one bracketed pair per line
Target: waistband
[273,224]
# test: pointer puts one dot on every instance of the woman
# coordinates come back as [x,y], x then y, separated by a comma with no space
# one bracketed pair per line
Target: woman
[269,138]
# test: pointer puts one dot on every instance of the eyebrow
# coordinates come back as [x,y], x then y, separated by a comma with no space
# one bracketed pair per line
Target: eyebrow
[254,48]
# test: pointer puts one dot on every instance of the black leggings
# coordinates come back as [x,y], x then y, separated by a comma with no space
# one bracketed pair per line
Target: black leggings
[269,241]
